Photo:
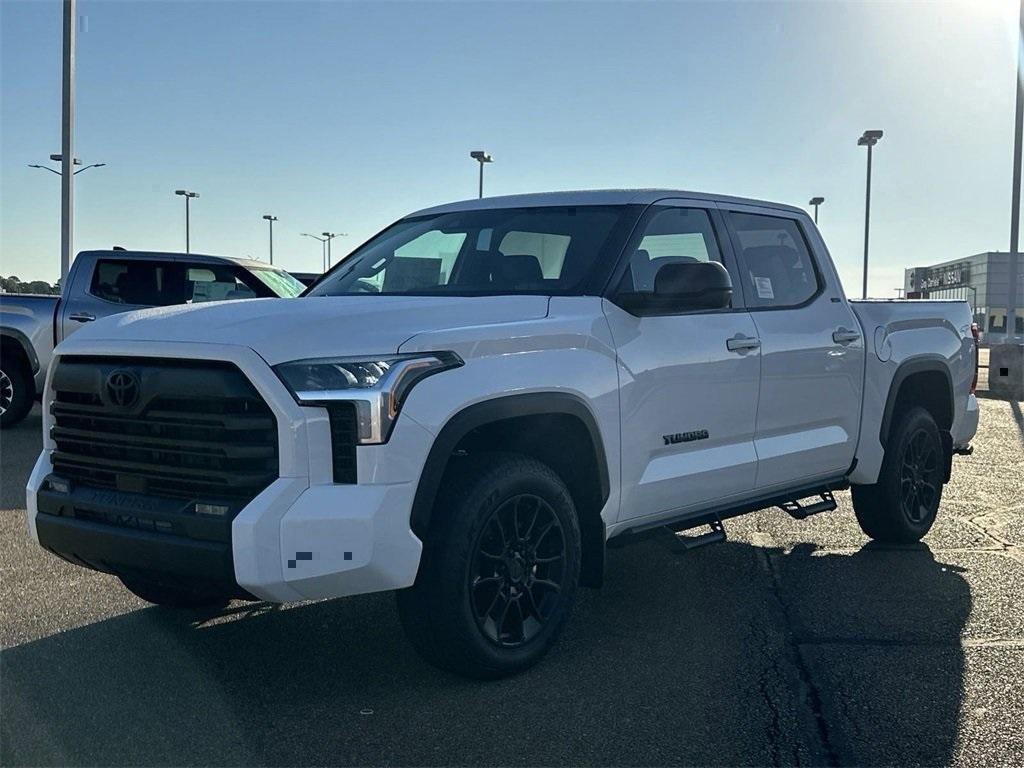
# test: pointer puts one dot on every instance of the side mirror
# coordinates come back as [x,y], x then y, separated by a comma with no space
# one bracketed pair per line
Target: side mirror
[683,287]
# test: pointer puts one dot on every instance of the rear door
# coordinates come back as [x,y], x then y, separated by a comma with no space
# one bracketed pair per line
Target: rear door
[688,382]
[812,351]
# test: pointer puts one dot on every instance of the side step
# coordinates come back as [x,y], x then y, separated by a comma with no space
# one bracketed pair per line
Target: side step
[715,536]
[826,503]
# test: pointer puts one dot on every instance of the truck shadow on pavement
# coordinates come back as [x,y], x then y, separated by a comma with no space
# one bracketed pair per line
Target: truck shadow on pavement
[730,655]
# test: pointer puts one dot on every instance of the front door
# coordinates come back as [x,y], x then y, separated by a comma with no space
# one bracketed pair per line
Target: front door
[812,350]
[688,382]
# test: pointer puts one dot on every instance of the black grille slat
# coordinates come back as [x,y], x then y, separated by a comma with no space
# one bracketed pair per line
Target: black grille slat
[198,430]
[344,434]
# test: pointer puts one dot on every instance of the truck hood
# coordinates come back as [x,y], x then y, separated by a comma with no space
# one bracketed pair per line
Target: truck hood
[318,326]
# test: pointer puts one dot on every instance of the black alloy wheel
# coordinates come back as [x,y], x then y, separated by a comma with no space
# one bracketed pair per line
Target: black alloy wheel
[518,571]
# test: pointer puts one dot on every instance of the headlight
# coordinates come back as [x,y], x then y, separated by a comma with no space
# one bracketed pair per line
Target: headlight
[377,386]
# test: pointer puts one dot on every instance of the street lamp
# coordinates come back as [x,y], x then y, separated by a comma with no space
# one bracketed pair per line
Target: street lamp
[323,247]
[816,201]
[868,139]
[330,236]
[270,220]
[188,196]
[58,159]
[481,157]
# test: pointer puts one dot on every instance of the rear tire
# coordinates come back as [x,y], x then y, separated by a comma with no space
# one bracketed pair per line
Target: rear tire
[901,507]
[17,390]
[499,571]
[173,595]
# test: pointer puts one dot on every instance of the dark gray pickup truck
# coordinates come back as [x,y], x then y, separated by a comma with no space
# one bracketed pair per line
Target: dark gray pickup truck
[103,283]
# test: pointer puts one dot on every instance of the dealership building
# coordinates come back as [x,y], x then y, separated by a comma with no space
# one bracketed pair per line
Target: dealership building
[982,279]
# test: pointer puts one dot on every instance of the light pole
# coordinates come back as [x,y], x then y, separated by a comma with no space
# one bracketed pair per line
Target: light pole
[67,141]
[330,236]
[868,139]
[481,157]
[57,158]
[323,247]
[188,196]
[1018,137]
[270,220]
[816,201]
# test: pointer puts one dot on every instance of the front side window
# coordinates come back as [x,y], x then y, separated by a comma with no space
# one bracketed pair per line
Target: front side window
[138,283]
[670,236]
[775,262]
[210,282]
[550,250]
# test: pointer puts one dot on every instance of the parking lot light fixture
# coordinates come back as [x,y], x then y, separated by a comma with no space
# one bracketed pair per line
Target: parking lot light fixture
[323,248]
[481,157]
[330,236]
[270,220]
[868,139]
[188,196]
[816,201]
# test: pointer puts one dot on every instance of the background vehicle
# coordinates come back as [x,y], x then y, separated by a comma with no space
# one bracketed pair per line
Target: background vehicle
[473,403]
[306,278]
[103,283]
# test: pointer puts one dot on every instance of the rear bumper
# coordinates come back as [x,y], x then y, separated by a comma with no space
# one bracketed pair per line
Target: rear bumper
[968,424]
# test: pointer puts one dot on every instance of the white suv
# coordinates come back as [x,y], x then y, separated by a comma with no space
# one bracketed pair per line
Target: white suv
[471,404]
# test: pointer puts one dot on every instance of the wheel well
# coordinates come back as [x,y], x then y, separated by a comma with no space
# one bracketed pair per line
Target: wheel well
[929,389]
[565,443]
[11,348]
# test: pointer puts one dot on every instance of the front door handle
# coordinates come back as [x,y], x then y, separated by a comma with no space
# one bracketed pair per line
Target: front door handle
[82,317]
[843,336]
[742,344]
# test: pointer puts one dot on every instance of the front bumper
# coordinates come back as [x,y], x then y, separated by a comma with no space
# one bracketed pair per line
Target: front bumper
[303,537]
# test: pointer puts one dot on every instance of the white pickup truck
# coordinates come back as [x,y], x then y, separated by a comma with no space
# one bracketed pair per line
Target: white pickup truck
[473,403]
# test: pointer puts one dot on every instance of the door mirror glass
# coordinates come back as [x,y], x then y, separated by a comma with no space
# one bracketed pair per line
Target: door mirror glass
[683,287]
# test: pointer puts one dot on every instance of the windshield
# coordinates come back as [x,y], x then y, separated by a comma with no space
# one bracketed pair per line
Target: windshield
[506,251]
[279,281]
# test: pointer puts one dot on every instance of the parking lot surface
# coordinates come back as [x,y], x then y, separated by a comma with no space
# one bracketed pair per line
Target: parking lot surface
[793,643]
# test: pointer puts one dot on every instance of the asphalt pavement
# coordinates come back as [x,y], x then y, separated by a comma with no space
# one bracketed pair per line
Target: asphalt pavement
[792,643]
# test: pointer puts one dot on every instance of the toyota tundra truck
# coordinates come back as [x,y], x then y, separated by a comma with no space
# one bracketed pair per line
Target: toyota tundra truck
[103,283]
[471,406]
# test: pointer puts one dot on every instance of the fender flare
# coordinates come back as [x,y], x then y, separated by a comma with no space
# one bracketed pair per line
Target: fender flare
[22,341]
[490,411]
[922,364]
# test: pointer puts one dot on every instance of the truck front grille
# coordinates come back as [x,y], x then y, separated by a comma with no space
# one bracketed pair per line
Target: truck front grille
[174,428]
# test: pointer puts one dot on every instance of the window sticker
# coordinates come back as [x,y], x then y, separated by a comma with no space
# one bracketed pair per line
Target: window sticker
[764,288]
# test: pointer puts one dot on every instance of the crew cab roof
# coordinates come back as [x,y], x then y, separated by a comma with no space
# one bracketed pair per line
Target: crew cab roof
[592,197]
[196,258]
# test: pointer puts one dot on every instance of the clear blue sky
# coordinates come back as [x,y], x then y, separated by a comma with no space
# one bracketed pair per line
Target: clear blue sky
[344,116]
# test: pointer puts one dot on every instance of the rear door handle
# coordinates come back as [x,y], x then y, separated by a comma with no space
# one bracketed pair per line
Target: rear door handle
[82,317]
[742,344]
[843,336]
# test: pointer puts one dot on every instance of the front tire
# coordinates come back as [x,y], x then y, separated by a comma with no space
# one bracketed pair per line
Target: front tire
[172,595]
[901,507]
[17,390]
[499,570]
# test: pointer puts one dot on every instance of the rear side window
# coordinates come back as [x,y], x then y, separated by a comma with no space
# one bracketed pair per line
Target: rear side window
[775,263]
[139,283]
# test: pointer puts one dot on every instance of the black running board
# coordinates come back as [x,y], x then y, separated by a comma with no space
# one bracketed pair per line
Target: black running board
[695,519]
[826,503]
[715,536]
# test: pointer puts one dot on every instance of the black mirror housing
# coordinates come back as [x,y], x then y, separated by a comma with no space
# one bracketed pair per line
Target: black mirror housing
[683,287]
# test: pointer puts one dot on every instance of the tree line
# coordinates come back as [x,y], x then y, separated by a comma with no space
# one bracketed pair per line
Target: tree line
[14,284]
